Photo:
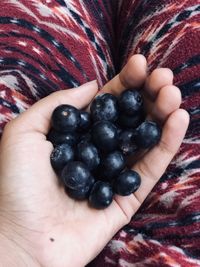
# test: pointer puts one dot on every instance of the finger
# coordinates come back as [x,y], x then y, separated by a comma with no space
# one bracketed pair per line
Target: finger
[132,75]
[157,79]
[37,118]
[154,163]
[167,101]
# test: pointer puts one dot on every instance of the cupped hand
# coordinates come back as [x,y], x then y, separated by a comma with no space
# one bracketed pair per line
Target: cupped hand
[38,221]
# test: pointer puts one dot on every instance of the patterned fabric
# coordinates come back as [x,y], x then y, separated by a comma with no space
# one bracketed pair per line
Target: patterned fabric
[57,44]
[52,45]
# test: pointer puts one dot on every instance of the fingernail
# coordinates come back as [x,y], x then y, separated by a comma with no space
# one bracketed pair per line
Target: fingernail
[94,82]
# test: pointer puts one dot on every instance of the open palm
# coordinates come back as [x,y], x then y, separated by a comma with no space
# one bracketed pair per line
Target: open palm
[49,228]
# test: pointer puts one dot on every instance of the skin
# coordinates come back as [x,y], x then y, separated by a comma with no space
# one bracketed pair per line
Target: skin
[39,224]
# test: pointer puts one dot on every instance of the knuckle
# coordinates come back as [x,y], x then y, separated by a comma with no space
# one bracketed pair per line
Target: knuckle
[165,149]
[145,170]
[60,99]
[127,219]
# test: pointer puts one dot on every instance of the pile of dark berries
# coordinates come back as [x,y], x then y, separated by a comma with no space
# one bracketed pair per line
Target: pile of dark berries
[91,149]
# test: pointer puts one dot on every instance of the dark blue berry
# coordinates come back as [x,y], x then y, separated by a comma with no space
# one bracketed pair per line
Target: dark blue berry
[101,195]
[148,134]
[85,121]
[127,122]
[126,142]
[65,118]
[104,107]
[105,136]
[61,155]
[112,164]
[85,137]
[76,175]
[127,183]
[119,130]
[130,102]
[88,154]
[82,193]
[57,138]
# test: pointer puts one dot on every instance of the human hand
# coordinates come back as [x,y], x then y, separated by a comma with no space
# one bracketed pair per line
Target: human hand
[39,223]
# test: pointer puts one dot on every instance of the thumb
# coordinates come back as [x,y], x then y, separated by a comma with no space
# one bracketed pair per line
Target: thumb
[37,118]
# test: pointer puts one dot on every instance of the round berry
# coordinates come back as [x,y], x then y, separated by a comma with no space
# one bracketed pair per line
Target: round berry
[65,118]
[101,195]
[88,154]
[126,142]
[130,102]
[147,135]
[126,121]
[105,136]
[127,183]
[61,155]
[104,107]
[76,175]
[86,138]
[57,138]
[112,164]
[81,193]
[85,121]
